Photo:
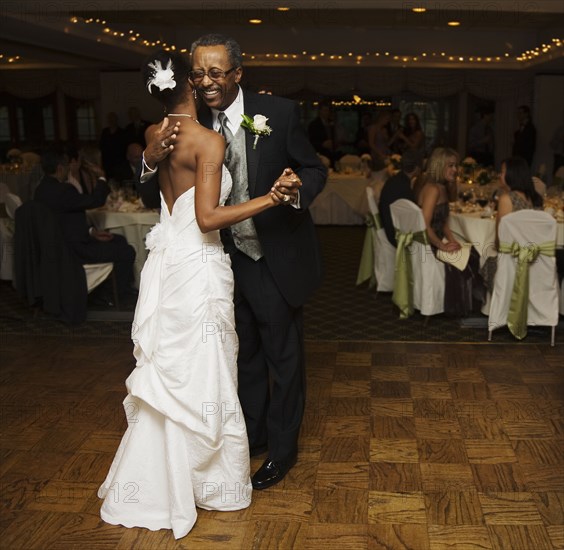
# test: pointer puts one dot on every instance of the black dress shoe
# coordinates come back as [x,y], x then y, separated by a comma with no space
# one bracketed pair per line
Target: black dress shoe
[272,471]
[258,450]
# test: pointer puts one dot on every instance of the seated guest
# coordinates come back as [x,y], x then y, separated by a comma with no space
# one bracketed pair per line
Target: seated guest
[131,168]
[89,244]
[439,188]
[85,166]
[517,193]
[399,186]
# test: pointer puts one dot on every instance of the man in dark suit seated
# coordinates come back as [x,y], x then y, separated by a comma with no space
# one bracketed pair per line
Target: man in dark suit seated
[399,186]
[89,244]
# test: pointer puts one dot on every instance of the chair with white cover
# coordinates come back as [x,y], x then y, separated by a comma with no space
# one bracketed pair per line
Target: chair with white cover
[350,163]
[526,285]
[11,203]
[419,280]
[47,272]
[561,309]
[378,255]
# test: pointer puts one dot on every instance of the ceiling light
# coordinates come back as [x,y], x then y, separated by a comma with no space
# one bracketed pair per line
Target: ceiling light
[283,8]
[453,23]
[419,10]
[255,21]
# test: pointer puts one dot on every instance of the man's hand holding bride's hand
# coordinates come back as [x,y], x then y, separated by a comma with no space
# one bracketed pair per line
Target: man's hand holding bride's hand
[161,143]
[286,187]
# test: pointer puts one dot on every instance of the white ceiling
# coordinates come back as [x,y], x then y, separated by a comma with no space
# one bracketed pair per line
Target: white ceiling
[42,35]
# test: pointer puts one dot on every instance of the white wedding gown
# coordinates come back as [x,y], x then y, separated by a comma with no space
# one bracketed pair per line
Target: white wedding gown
[186,443]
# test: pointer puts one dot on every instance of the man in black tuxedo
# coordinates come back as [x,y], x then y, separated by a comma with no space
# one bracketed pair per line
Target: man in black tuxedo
[89,244]
[399,186]
[271,282]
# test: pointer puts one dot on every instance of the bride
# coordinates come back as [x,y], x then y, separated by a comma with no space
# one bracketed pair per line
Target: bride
[186,443]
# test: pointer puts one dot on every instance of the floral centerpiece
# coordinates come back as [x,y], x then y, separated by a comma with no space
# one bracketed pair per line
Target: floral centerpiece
[483,176]
[468,165]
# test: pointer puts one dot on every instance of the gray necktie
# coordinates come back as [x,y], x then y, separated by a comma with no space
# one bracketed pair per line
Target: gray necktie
[244,233]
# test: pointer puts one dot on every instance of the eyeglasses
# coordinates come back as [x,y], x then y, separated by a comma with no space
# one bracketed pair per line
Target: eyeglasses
[212,74]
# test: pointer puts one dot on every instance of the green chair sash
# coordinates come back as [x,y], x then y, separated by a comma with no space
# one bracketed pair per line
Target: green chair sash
[366,267]
[519,305]
[403,275]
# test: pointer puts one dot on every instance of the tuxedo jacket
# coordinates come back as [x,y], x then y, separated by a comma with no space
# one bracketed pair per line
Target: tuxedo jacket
[70,206]
[287,235]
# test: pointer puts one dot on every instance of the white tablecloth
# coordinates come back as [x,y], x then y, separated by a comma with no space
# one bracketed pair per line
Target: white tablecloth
[481,231]
[343,201]
[132,225]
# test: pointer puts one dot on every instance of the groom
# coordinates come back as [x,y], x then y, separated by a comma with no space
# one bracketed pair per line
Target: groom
[275,258]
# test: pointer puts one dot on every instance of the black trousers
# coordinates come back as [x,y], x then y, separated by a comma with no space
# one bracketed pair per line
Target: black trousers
[117,251]
[271,358]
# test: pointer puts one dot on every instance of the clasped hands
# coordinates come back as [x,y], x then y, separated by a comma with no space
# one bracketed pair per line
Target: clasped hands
[285,189]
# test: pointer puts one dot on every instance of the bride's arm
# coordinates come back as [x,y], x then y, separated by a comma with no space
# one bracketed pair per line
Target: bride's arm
[209,214]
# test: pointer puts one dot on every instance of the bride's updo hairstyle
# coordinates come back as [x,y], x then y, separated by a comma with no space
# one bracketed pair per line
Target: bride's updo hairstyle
[166,76]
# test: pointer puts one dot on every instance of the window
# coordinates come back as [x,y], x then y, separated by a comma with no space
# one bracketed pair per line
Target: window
[81,120]
[86,122]
[4,123]
[27,123]
[48,123]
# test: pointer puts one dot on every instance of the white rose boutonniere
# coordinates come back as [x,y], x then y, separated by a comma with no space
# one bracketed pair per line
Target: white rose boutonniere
[257,126]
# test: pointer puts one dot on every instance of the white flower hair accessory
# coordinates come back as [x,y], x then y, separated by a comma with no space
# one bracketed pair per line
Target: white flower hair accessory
[162,78]
[257,126]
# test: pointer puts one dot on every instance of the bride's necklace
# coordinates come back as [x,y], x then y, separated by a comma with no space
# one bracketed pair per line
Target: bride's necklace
[184,114]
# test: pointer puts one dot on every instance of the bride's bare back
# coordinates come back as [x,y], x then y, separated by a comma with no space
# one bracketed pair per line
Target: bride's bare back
[198,155]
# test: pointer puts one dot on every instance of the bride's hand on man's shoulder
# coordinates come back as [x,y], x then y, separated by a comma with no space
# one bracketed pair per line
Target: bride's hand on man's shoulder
[161,142]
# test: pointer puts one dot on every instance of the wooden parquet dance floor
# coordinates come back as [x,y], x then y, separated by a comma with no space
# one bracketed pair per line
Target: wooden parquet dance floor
[404,446]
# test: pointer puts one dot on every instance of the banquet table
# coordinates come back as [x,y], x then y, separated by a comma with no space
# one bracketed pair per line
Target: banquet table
[134,226]
[343,200]
[480,231]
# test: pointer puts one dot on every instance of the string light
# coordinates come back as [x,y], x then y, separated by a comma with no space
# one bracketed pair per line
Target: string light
[535,55]
[356,100]
[10,59]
